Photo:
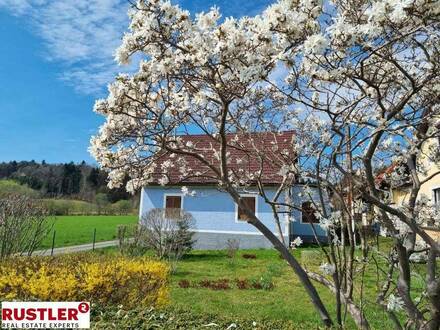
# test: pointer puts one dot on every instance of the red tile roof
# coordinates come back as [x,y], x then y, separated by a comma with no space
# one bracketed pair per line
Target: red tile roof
[384,173]
[383,177]
[247,153]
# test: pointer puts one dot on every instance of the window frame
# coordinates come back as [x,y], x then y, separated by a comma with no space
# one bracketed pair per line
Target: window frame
[434,190]
[172,195]
[255,196]
[306,222]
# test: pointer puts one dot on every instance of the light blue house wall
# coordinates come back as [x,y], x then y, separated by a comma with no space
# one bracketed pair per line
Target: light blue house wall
[298,228]
[215,214]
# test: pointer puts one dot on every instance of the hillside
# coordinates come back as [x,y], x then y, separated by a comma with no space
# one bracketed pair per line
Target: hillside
[65,189]
[69,180]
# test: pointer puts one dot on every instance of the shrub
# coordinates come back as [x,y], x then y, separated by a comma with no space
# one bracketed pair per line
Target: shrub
[249,256]
[168,232]
[122,207]
[23,225]
[69,207]
[104,280]
[131,240]
[102,202]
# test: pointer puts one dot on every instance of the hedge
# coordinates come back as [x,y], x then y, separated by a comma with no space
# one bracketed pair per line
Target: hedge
[102,280]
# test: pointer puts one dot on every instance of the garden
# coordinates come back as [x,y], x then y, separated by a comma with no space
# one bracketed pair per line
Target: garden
[154,278]
[325,112]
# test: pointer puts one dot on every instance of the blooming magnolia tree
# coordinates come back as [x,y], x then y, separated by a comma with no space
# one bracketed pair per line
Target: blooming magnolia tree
[369,79]
[359,87]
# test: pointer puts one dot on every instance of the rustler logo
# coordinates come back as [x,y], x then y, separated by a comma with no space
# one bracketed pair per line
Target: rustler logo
[45,315]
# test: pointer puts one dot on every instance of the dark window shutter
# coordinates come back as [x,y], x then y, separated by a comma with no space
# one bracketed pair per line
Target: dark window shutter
[250,203]
[173,202]
[172,206]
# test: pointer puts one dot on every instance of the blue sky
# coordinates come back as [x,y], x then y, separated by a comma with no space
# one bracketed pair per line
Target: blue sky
[56,58]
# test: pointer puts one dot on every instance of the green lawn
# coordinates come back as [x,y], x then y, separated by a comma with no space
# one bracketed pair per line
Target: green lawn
[74,230]
[286,301]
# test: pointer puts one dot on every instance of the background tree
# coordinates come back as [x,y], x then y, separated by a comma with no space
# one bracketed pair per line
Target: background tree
[74,181]
[102,202]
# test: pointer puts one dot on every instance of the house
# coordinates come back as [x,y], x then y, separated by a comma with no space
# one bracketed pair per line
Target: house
[217,217]
[399,192]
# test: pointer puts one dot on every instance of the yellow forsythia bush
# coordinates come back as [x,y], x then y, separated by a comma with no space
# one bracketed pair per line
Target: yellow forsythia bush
[83,277]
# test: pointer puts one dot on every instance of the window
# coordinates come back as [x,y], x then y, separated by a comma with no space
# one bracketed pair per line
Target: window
[308,213]
[437,196]
[251,203]
[173,205]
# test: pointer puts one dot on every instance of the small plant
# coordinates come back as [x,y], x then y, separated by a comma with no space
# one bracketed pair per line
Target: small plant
[274,269]
[263,283]
[266,282]
[232,246]
[249,256]
[255,283]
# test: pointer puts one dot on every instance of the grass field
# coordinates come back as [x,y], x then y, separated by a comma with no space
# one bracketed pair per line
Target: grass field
[74,230]
[286,301]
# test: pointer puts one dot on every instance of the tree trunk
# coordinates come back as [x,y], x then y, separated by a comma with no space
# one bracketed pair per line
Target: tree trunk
[433,292]
[300,272]
[280,247]
[355,312]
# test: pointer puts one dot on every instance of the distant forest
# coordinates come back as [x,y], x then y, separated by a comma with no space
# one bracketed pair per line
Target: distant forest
[74,181]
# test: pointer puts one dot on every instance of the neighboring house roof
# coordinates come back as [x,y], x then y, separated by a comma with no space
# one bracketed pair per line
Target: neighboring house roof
[260,155]
[383,178]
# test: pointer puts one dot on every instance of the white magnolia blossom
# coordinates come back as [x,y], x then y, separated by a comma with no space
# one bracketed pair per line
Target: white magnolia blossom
[164,180]
[187,192]
[315,44]
[394,303]
[327,269]
[296,242]
[328,223]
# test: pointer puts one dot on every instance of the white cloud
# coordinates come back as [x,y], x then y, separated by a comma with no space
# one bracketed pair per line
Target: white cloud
[82,35]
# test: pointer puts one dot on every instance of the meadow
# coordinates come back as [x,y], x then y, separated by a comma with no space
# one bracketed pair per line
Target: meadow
[79,229]
[285,302]
[207,283]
